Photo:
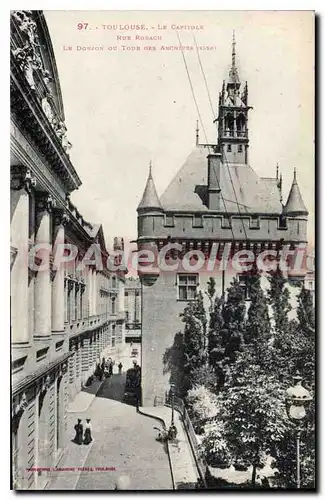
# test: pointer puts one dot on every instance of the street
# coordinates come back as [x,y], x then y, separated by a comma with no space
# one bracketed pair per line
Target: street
[123,439]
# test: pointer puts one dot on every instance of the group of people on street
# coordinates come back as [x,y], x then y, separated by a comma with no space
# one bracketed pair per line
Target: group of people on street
[105,368]
[83,436]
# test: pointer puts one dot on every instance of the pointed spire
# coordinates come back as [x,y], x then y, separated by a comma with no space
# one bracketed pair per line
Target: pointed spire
[233,73]
[277,171]
[197,132]
[150,197]
[233,59]
[295,204]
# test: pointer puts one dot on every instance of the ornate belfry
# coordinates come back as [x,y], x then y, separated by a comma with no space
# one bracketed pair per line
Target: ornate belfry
[233,115]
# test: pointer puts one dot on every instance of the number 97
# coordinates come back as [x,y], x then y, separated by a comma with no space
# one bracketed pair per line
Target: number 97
[82,26]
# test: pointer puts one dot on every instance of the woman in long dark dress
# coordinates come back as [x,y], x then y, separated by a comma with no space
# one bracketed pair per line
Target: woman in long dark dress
[87,437]
[79,431]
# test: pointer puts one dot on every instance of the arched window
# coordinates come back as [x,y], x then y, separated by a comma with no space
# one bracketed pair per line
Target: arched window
[240,125]
[229,125]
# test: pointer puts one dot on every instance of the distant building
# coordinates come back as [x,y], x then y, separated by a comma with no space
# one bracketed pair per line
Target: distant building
[132,310]
[216,201]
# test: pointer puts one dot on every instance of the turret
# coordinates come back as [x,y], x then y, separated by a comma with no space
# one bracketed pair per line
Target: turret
[149,210]
[150,200]
[295,205]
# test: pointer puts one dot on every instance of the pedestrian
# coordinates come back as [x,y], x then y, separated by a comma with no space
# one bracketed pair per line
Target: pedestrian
[98,372]
[79,431]
[87,437]
[120,366]
[110,368]
[172,432]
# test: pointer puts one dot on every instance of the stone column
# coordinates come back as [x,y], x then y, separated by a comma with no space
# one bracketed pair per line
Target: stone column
[90,291]
[20,186]
[94,290]
[84,359]
[58,290]
[44,205]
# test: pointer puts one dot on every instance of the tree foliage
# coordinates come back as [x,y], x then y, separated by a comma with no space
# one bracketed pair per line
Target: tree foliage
[253,360]
[195,356]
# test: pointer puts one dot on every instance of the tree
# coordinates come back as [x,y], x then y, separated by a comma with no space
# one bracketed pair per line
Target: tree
[194,317]
[253,411]
[300,355]
[174,363]
[306,327]
[215,321]
[278,296]
[258,327]
[227,326]
[202,406]
[284,330]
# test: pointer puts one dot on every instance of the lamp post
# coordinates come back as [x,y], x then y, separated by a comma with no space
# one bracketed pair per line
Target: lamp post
[297,399]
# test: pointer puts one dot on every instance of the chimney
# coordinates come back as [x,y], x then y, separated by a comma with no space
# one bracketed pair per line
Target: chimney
[214,162]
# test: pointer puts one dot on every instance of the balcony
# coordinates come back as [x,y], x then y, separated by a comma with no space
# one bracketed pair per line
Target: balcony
[236,134]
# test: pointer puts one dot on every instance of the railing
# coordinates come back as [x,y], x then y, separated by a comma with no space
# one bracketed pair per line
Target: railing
[200,463]
[234,133]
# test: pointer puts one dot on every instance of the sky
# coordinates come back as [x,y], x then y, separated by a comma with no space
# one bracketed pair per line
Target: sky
[125,108]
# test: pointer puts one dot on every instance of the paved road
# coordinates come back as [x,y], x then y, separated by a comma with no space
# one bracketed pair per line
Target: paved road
[124,439]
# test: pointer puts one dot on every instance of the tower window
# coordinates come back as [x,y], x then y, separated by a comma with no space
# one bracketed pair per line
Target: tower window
[169,220]
[229,148]
[187,285]
[240,148]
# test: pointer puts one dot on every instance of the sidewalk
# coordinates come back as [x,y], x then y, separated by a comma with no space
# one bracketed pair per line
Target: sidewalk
[74,456]
[183,466]
[85,397]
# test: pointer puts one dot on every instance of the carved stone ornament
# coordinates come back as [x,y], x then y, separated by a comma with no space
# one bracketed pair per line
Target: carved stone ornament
[46,382]
[45,201]
[47,108]
[61,132]
[19,406]
[21,178]
[28,56]
[27,26]
[61,218]
[47,79]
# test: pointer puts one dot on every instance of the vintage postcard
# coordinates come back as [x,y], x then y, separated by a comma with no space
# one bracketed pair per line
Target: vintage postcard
[162,250]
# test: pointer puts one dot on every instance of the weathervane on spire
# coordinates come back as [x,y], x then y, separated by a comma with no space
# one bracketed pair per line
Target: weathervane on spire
[150,167]
[294,174]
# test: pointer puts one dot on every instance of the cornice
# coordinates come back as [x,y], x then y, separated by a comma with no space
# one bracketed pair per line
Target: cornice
[31,118]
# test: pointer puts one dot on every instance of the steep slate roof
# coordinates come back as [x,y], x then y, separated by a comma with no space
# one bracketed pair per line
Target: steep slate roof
[188,190]
[150,198]
[295,204]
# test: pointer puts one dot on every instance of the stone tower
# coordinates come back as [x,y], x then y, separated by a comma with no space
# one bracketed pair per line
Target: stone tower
[215,206]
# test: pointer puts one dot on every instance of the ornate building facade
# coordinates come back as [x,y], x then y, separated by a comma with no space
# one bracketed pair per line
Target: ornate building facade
[132,310]
[63,317]
[215,206]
